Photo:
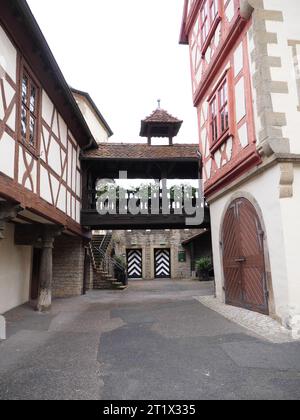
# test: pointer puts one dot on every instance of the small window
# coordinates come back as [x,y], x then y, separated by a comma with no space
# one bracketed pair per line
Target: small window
[219,118]
[214,120]
[223,107]
[204,22]
[209,14]
[29,110]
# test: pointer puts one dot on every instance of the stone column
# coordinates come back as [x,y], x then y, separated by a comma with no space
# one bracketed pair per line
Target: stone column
[46,270]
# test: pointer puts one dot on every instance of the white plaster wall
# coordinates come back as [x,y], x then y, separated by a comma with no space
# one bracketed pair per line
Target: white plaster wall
[290,209]
[97,129]
[270,206]
[7,155]
[8,55]
[15,272]
[288,30]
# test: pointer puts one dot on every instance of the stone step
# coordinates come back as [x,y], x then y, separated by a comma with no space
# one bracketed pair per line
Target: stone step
[120,287]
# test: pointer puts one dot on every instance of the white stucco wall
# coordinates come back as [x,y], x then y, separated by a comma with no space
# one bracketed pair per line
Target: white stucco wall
[287,31]
[60,152]
[98,131]
[290,209]
[8,55]
[8,64]
[15,272]
[271,208]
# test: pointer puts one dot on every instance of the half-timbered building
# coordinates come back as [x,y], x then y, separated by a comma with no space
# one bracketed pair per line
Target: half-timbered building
[245,79]
[42,133]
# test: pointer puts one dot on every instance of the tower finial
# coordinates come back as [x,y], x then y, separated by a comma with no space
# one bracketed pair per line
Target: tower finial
[159,101]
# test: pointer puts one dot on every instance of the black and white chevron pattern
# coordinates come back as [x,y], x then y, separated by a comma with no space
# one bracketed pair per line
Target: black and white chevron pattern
[135,263]
[162,263]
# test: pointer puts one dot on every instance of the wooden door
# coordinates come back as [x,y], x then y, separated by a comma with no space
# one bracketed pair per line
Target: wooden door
[135,263]
[162,261]
[243,258]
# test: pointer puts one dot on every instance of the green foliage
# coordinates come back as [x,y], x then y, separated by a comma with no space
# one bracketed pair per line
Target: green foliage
[120,260]
[203,264]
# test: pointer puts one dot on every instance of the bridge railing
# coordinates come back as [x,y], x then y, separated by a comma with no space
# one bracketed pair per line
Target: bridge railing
[155,204]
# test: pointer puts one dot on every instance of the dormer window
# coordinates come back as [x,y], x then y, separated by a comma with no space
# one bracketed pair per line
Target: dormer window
[29,110]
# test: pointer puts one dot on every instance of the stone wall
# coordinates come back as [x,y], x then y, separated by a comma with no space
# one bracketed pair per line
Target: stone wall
[148,241]
[68,266]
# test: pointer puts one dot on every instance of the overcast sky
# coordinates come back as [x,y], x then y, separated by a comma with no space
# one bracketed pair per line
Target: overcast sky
[126,55]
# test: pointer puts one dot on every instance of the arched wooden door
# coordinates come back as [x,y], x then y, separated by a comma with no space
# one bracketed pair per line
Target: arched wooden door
[243,258]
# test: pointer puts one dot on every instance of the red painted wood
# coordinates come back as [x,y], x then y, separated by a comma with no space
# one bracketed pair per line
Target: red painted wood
[243,258]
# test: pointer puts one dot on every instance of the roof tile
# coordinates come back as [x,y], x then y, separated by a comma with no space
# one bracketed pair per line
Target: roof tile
[142,151]
[161,116]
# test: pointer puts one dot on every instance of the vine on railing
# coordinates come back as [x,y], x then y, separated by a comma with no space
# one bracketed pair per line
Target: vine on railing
[107,264]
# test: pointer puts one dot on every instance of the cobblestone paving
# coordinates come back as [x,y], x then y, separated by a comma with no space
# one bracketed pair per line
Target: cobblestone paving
[259,324]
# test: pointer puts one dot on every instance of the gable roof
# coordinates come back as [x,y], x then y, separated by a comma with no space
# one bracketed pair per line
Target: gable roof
[95,108]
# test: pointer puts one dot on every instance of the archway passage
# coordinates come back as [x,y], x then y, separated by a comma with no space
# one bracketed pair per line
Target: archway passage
[243,258]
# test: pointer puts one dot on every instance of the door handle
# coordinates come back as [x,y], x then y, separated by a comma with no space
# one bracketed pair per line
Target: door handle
[240,260]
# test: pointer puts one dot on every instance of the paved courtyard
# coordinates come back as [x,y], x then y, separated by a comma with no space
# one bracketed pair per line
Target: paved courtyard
[153,341]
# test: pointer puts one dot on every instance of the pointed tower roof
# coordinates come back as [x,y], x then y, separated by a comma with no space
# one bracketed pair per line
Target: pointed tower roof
[160,124]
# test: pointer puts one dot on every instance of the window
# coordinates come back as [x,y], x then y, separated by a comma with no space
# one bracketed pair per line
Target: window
[214,120]
[204,22]
[223,107]
[29,108]
[209,15]
[219,121]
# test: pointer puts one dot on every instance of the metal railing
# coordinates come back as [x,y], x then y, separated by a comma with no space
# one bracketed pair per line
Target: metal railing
[107,264]
[146,204]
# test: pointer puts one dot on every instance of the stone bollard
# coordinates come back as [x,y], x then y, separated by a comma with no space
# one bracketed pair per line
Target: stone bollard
[2,328]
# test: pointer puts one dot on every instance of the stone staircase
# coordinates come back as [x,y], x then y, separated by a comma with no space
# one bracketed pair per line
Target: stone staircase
[102,279]
[102,242]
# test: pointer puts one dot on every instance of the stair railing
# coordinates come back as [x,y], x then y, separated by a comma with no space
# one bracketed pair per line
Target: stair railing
[108,263]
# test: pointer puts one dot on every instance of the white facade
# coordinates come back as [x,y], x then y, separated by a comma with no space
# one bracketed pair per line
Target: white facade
[44,177]
[53,172]
[94,123]
[15,272]
[274,186]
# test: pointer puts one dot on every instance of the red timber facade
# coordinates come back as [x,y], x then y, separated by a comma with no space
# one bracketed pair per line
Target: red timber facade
[42,133]
[217,35]
[245,79]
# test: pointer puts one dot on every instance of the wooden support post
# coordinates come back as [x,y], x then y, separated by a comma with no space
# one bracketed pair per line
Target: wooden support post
[46,269]
[8,212]
[87,268]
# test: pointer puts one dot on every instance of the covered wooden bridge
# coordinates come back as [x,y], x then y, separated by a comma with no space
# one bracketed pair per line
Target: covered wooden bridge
[180,162]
